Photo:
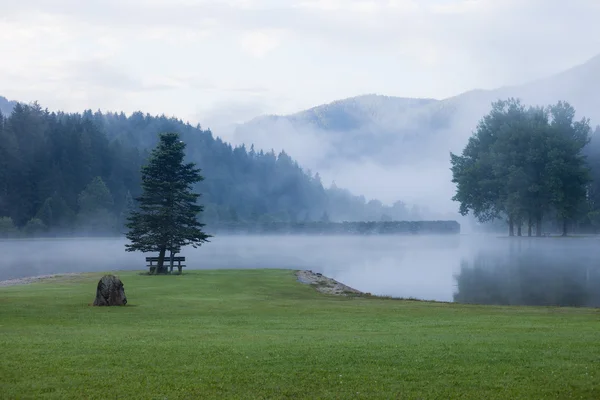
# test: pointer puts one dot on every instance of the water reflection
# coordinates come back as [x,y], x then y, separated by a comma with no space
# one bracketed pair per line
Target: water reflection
[462,268]
[543,272]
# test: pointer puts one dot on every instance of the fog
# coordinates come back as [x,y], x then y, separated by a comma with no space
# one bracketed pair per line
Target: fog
[466,268]
[393,148]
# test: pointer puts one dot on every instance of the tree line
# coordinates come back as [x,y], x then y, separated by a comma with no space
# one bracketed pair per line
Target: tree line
[70,173]
[530,166]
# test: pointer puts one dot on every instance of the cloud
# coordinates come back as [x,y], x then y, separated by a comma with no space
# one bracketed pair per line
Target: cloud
[220,62]
[458,7]
[459,27]
[99,73]
[227,113]
[261,42]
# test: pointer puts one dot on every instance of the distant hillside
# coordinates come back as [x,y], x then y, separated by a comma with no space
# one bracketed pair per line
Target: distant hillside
[390,147]
[363,127]
[79,173]
[6,106]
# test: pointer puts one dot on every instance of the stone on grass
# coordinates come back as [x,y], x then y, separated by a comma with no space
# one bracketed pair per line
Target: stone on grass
[110,292]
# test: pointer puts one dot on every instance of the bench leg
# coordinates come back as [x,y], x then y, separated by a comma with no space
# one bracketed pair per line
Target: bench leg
[179,268]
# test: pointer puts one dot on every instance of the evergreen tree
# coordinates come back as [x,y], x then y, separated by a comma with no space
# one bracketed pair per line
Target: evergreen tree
[34,227]
[48,159]
[128,208]
[233,215]
[95,203]
[168,211]
[55,213]
[96,195]
[7,228]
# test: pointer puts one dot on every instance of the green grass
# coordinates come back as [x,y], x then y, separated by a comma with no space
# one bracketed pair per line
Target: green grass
[247,334]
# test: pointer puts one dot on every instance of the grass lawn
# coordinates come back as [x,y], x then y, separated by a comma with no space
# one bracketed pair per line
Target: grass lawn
[259,334]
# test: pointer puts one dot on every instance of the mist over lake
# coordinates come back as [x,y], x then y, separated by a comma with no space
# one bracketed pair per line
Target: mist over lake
[464,268]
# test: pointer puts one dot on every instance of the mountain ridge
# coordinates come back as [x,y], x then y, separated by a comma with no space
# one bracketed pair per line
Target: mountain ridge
[369,143]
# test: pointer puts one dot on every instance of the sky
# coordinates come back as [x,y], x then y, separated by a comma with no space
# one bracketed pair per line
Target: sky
[220,62]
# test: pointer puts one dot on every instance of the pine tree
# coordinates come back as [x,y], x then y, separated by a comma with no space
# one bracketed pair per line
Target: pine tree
[34,226]
[128,208]
[167,215]
[95,202]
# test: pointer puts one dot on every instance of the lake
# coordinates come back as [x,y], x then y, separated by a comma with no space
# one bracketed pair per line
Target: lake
[466,268]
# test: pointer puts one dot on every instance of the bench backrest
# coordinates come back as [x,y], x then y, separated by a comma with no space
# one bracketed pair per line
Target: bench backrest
[167,259]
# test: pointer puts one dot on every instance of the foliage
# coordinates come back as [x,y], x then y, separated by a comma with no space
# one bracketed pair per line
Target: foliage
[340,228]
[55,213]
[266,336]
[95,196]
[168,213]
[523,163]
[95,203]
[7,227]
[47,160]
[128,209]
[34,226]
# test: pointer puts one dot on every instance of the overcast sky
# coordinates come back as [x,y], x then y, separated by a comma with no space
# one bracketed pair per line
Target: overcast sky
[230,60]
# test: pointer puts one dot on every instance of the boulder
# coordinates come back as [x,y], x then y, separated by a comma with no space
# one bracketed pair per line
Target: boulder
[110,292]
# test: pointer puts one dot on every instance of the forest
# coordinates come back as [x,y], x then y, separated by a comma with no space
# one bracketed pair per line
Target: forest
[78,173]
[66,173]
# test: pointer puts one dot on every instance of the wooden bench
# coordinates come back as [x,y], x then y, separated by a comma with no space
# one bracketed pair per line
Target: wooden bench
[177,261]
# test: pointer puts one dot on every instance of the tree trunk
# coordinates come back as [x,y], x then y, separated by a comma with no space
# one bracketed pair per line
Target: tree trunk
[538,226]
[564,232]
[529,225]
[171,261]
[519,225]
[511,226]
[161,261]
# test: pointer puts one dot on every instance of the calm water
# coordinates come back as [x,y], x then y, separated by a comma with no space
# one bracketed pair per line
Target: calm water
[472,269]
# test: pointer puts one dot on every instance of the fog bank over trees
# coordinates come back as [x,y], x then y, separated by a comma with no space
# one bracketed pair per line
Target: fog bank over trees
[68,173]
[524,165]
[367,141]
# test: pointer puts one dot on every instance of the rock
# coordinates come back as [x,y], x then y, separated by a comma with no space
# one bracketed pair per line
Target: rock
[110,292]
[325,285]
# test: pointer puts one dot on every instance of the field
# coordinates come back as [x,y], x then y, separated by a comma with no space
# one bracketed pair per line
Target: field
[259,334]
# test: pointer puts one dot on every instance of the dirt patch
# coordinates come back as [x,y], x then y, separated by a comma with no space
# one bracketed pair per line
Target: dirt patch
[34,279]
[326,285]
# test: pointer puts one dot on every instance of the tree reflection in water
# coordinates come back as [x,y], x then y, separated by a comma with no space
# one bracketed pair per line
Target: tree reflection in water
[529,274]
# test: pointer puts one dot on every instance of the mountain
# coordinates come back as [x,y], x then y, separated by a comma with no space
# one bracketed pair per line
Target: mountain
[390,147]
[354,127]
[6,106]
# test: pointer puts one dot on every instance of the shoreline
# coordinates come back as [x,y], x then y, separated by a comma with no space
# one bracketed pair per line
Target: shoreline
[325,284]
[34,279]
[316,280]
[319,281]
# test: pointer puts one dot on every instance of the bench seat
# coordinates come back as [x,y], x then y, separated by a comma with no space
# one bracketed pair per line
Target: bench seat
[177,262]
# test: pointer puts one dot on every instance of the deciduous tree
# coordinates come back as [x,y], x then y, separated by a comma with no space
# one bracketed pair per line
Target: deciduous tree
[521,163]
